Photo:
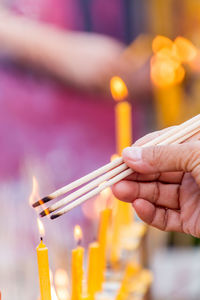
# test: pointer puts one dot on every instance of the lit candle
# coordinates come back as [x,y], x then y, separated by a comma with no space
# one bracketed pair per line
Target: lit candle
[93,268]
[43,266]
[123,120]
[102,239]
[77,265]
[122,114]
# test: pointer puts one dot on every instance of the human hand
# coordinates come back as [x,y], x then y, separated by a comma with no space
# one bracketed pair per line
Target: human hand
[165,189]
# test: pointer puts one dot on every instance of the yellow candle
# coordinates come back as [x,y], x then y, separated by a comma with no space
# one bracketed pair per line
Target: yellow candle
[123,125]
[93,268]
[43,269]
[102,239]
[43,266]
[123,121]
[77,266]
[119,92]
[169,105]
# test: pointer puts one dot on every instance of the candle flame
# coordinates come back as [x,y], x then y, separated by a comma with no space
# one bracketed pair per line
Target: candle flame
[106,193]
[35,191]
[118,88]
[166,63]
[186,50]
[61,278]
[62,284]
[40,227]
[160,42]
[77,233]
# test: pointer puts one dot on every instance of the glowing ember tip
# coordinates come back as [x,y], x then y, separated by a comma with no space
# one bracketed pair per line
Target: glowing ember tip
[45,212]
[41,228]
[41,201]
[118,88]
[78,234]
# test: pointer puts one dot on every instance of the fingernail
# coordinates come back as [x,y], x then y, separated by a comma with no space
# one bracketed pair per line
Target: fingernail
[133,153]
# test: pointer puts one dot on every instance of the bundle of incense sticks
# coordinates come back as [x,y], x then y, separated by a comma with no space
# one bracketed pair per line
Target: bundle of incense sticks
[111,173]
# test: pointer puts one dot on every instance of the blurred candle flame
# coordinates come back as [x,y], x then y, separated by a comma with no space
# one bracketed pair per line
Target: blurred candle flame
[61,278]
[40,227]
[118,88]
[166,63]
[106,193]
[34,196]
[62,283]
[53,292]
[35,191]
[160,42]
[186,50]
[78,234]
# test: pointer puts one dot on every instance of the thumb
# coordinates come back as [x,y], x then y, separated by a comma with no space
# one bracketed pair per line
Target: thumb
[177,157]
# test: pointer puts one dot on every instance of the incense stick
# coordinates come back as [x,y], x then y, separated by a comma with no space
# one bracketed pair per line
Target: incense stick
[179,136]
[181,133]
[111,165]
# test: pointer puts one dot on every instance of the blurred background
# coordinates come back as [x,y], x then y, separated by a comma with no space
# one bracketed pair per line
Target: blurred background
[57,120]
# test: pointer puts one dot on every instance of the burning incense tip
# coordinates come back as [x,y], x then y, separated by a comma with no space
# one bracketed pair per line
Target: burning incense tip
[42,201]
[55,216]
[45,212]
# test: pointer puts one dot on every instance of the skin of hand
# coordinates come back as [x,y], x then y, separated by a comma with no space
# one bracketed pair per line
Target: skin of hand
[165,187]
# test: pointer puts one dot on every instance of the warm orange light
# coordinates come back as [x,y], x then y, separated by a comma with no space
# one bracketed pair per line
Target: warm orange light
[62,282]
[180,74]
[62,293]
[166,68]
[118,88]
[35,191]
[185,49]
[40,227]
[169,54]
[77,233]
[34,196]
[106,193]
[163,72]
[61,278]
[160,42]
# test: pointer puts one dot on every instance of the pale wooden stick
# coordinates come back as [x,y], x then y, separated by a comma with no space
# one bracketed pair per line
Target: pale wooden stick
[179,136]
[85,188]
[112,164]
[80,181]
[100,180]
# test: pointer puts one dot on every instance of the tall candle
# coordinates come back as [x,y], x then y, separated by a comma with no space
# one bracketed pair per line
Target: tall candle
[123,125]
[169,105]
[43,267]
[122,114]
[77,266]
[93,268]
[102,239]
[123,122]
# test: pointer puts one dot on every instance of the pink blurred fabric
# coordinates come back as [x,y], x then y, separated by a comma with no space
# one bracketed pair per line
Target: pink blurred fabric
[69,131]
